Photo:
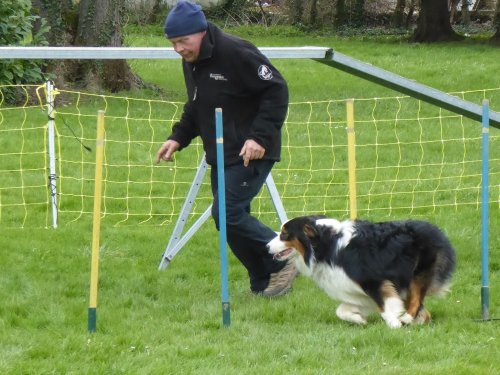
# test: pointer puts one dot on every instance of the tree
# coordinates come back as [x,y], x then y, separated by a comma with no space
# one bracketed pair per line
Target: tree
[93,23]
[296,10]
[341,17]
[496,37]
[313,18]
[433,24]
[359,13]
[18,31]
[399,14]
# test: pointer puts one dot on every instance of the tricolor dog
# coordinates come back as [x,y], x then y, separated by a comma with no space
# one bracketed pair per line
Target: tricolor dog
[387,267]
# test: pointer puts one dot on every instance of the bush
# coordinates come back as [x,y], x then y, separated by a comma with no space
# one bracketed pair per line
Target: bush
[16,29]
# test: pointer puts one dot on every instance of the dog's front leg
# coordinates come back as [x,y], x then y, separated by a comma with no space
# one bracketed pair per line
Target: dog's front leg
[350,313]
[394,313]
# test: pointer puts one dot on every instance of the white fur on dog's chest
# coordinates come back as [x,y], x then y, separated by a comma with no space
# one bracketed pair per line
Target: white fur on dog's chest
[335,282]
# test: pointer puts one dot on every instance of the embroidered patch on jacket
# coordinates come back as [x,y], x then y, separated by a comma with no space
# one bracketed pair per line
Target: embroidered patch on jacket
[218,77]
[265,72]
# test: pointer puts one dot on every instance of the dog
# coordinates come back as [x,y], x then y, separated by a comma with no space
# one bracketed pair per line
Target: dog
[387,267]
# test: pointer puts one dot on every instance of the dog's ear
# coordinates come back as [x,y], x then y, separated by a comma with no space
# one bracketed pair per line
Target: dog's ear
[310,230]
[310,238]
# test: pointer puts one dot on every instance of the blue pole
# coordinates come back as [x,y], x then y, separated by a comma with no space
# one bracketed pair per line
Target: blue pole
[221,191]
[485,291]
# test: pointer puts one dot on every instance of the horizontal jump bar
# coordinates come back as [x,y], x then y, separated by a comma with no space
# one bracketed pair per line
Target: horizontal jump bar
[80,53]
[321,54]
[408,87]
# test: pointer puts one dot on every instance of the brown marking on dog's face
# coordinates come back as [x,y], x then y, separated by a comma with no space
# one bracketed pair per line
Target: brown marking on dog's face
[299,233]
[291,234]
[291,241]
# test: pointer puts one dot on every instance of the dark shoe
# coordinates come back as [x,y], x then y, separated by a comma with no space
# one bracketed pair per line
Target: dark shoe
[281,282]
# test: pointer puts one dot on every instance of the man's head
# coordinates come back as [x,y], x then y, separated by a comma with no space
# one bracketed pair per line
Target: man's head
[185,27]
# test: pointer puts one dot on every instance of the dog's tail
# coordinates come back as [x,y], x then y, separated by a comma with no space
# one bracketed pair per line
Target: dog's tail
[443,271]
[440,255]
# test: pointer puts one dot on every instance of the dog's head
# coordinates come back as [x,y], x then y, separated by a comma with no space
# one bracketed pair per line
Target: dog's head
[307,236]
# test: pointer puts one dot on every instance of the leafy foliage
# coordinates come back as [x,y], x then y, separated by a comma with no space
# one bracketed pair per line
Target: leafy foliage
[17,29]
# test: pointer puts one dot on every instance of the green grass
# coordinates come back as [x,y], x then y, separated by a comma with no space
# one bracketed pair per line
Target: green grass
[151,322]
[170,322]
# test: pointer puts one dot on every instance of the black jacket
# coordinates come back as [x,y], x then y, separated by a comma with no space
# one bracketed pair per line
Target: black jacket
[234,75]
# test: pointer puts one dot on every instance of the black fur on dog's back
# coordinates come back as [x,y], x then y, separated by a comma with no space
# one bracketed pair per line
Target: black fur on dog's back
[398,251]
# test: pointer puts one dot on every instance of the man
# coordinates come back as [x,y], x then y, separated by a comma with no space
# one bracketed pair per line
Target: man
[223,71]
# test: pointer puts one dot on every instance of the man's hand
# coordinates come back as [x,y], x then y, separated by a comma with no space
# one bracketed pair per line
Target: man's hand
[166,150]
[251,150]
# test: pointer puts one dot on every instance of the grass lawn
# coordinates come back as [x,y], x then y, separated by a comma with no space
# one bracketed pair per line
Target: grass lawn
[151,322]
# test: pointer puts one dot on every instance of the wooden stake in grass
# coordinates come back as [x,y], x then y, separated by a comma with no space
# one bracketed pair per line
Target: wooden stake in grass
[94,269]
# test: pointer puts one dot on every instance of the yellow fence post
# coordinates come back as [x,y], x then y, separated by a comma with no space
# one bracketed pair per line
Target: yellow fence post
[351,154]
[94,269]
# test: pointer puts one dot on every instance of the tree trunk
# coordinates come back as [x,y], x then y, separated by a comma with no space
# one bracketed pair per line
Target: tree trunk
[465,12]
[100,24]
[341,18]
[452,6]
[399,14]
[62,17]
[59,14]
[92,23]
[313,18]
[433,24]
[411,10]
[496,37]
[297,10]
[359,13]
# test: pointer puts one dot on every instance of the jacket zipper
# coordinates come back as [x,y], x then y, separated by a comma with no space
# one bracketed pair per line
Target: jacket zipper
[196,87]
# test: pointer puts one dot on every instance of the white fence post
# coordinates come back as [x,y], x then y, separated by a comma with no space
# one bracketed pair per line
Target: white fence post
[52,154]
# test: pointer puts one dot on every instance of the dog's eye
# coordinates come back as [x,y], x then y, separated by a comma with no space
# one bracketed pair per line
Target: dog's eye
[283,236]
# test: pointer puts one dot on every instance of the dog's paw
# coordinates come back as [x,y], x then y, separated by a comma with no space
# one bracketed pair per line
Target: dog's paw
[406,318]
[423,316]
[356,318]
[351,314]
[392,321]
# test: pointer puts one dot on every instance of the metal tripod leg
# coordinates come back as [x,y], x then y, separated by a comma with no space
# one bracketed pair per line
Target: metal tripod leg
[177,241]
[278,205]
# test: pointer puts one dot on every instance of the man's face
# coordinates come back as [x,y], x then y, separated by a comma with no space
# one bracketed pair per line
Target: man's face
[188,46]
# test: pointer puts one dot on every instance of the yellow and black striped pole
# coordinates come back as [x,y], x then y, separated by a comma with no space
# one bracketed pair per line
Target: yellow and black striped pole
[94,268]
[351,154]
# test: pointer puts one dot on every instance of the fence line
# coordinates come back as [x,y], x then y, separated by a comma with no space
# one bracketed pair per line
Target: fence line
[412,159]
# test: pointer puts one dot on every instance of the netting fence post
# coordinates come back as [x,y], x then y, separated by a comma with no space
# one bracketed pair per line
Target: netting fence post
[351,154]
[221,191]
[485,291]
[96,228]
[52,151]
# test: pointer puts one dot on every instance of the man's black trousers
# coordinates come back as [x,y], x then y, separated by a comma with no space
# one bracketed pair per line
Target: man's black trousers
[247,237]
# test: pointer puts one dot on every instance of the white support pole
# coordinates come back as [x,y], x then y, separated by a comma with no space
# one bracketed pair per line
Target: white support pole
[52,152]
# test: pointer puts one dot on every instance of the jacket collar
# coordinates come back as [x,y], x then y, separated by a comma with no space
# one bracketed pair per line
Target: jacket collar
[207,45]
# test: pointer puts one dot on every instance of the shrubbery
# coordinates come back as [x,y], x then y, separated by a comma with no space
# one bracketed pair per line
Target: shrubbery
[17,29]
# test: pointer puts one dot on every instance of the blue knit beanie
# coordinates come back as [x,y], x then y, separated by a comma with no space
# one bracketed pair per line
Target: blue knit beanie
[185,18]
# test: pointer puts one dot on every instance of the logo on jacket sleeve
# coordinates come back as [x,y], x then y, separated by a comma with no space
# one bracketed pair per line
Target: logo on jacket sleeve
[265,72]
